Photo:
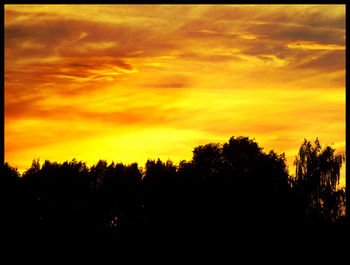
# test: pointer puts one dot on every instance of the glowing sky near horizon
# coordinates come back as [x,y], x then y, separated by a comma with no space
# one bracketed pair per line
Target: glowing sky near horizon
[132,82]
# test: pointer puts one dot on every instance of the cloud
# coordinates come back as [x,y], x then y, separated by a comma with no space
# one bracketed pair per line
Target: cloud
[260,47]
[78,65]
[285,32]
[329,16]
[71,37]
[331,61]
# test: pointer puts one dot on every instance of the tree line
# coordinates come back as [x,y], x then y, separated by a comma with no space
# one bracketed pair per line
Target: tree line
[224,187]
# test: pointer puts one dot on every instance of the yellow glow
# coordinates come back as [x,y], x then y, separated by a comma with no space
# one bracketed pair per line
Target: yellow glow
[248,36]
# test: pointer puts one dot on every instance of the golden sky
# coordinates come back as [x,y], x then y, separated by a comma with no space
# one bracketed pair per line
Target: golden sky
[132,82]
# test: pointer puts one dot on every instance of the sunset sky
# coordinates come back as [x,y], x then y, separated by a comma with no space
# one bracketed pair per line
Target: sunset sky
[132,82]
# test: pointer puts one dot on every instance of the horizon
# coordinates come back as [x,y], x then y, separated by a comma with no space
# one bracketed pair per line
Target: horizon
[176,164]
[130,83]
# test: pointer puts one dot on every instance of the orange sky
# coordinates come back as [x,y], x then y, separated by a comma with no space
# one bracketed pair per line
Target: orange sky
[131,82]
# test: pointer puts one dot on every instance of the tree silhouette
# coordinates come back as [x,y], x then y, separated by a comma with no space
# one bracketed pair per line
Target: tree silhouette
[229,187]
[316,182]
[237,184]
[10,200]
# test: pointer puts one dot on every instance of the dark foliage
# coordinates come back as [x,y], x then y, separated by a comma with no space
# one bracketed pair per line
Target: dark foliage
[224,188]
[316,181]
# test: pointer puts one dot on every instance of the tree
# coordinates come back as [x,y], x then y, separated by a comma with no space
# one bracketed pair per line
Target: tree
[258,181]
[10,175]
[10,197]
[238,183]
[317,182]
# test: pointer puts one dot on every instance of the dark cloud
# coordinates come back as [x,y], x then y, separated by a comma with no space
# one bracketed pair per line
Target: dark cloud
[48,33]
[271,29]
[231,13]
[274,27]
[71,37]
[322,19]
[262,47]
[203,27]
[288,14]
[293,33]
[78,65]
[331,61]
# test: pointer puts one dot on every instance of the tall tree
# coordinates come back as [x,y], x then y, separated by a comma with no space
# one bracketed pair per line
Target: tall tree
[317,181]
